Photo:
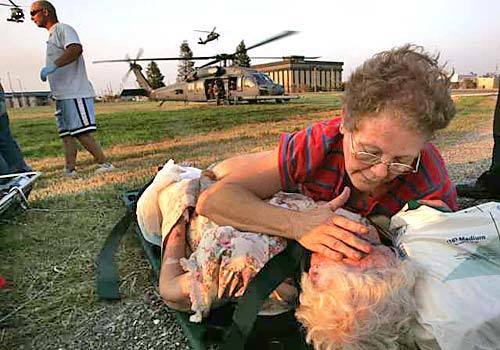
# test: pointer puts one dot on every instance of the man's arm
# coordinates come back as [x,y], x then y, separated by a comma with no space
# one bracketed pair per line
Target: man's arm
[70,54]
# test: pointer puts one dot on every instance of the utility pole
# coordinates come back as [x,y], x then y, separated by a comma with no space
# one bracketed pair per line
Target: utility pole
[22,93]
[12,90]
[10,84]
[495,162]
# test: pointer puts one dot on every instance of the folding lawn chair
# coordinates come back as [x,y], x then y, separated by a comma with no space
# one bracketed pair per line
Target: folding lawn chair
[233,326]
[15,188]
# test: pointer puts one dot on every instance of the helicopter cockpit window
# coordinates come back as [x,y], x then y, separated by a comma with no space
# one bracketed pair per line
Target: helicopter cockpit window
[262,78]
[248,82]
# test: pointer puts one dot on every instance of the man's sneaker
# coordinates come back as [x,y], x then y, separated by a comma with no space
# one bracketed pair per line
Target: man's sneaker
[71,173]
[105,167]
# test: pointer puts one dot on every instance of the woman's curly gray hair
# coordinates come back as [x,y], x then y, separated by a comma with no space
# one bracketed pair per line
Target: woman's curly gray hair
[407,81]
[348,309]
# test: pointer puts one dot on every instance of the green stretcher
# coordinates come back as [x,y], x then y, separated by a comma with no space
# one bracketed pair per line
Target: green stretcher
[232,326]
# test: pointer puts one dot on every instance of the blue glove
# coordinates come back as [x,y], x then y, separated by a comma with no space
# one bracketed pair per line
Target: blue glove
[51,68]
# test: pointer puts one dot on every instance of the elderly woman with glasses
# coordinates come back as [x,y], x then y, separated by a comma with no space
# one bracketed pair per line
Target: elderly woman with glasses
[372,159]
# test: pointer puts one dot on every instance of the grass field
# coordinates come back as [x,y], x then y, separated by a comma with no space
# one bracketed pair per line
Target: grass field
[47,255]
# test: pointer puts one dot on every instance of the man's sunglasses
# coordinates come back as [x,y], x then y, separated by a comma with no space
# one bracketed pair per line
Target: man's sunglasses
[34,12]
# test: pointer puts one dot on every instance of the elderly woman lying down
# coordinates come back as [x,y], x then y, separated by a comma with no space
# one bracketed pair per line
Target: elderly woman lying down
[348,304]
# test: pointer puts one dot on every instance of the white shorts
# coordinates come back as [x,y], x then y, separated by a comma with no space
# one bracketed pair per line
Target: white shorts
[75,116]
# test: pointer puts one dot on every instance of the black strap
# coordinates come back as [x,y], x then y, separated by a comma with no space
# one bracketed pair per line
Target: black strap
[107,272]
[265,282]
[107,279]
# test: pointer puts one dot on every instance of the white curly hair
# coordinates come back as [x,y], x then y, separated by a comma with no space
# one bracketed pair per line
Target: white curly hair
[344,308]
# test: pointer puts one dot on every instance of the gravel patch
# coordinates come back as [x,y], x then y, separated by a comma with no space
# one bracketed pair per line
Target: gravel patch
[129,325]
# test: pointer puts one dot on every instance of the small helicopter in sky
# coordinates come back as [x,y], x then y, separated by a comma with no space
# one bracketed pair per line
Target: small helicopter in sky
[214,83]
[16,12]
[210,37]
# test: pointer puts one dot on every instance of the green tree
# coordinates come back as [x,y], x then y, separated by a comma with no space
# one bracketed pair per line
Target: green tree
[241,58]
[154,75]
[186,66]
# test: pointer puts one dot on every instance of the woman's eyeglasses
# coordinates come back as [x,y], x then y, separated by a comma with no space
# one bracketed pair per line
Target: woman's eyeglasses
[373,159]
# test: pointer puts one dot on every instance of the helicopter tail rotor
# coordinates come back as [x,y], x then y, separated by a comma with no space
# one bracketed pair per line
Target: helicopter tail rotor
[140,52]
[132,63]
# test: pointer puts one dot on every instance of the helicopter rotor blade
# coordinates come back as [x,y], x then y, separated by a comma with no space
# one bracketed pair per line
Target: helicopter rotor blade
[13,5]
[139,53]
[126,76]
[279,36]
[210,63]
[222,57]
[283,57]
[266,57]
[156,59]
[202,31]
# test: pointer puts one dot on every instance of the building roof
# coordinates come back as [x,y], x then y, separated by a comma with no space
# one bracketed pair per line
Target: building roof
[472,76]
[298,61]
[133,92]
[44,94]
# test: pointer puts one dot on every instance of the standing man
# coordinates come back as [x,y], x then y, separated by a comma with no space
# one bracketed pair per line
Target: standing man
[73,92]
[11,158]
[487,184]
[490,179]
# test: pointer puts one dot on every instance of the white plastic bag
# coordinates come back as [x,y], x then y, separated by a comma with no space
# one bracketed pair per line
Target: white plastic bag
[458,295]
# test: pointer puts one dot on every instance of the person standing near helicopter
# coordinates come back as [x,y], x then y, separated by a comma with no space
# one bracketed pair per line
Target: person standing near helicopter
[216,91]
[219,91]
[73,92]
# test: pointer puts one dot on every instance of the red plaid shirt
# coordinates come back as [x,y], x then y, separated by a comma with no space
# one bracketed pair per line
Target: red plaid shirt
[312,161]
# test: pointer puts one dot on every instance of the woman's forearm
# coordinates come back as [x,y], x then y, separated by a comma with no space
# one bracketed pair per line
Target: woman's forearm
[232,205]
[237,199]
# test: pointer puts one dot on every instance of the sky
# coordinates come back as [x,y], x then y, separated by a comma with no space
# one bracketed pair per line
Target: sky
[465,33]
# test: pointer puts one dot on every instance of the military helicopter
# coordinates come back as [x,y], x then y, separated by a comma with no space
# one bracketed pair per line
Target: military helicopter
[16,13]
[210,37]
[214,83]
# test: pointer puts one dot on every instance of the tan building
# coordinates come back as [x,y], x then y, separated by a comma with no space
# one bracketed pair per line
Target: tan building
[487,83]
[27,99]
[299,75]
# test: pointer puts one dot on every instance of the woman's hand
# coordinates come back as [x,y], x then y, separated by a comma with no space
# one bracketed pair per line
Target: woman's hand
[332,235]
